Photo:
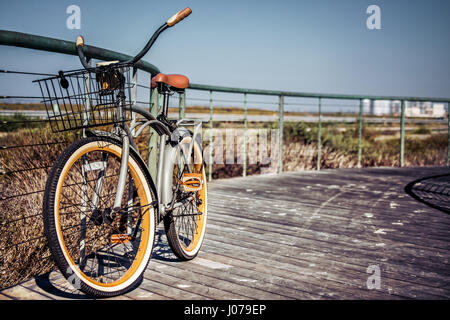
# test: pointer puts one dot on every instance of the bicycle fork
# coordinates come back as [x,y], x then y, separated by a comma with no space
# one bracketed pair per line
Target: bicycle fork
[124,135]
[123,171]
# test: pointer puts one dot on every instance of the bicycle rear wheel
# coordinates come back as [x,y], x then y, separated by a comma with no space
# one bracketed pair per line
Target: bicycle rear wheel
[100,251]
[185,225]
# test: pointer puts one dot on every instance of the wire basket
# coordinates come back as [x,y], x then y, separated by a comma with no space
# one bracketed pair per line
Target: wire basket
[87,98]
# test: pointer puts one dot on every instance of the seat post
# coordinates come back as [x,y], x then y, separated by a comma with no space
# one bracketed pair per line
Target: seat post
[165,110]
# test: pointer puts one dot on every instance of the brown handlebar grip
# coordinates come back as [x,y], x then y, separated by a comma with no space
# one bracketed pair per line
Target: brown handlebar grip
[177,17]
[79,42]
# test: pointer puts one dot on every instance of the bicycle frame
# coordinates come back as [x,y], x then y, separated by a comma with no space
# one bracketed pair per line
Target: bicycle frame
[166,156]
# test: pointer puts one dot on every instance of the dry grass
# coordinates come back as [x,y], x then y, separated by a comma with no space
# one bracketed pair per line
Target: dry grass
[24,251]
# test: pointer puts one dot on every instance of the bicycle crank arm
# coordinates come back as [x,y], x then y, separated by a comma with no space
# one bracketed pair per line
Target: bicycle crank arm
[187,215]
[179,204]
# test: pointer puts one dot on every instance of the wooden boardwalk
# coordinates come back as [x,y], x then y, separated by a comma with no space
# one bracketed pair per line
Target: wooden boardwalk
[330,234]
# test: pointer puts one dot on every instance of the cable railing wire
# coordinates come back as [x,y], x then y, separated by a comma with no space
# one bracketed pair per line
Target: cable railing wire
[10,172]
[27,73]
[19,97]
[32,145]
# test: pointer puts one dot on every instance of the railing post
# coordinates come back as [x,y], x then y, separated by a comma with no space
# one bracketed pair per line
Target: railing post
[87,100]
[402,135]
[319,136]
[210,136]
[447,162]
[244,163]
[153,136]
[134,94]
[182,105]
[280,133]
[360,127]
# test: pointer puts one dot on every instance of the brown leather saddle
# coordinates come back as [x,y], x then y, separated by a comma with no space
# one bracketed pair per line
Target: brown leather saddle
[176,82]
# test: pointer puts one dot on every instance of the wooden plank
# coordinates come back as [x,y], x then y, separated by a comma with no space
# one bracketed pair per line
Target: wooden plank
[314,193]
[400,229]
[431,239]
[206,273]
[232,282]
[140,293]
[345,283]
[339,243]
[367,240]
[178,274]
[55,286]
[158,286]
[5,297]
[296,215]
[20,292]
[362,200]
[439,241]
[254,245]
[429,278]
[316,283]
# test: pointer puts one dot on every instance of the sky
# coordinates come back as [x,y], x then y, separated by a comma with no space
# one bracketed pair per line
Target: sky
[320,46]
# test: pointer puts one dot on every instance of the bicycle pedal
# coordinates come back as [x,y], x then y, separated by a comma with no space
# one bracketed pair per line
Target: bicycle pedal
[191,182]
[120,238]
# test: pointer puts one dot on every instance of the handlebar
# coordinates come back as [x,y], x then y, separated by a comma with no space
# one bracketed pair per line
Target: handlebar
[177,17]
[80,44]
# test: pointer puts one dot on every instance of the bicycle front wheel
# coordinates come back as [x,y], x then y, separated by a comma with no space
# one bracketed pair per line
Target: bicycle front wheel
[100,251]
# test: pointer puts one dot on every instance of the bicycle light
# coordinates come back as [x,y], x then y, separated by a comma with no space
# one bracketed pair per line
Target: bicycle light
[109,80]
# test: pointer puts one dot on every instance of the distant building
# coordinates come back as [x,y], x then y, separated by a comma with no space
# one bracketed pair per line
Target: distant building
[425,109]
[412,109]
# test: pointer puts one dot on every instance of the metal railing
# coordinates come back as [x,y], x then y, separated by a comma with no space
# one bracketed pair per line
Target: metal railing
[319,98]
[67,47]
[26,213]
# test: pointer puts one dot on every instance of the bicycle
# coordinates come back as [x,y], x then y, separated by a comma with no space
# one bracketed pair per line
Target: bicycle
[101,205]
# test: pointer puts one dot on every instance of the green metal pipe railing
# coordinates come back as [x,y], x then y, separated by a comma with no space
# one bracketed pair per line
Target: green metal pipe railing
[311,95]
[319,136]
[320,97]
[448,130]
[280,132]
[402,134]
[30,41]
[244,160]
[210,135]
[11,38]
